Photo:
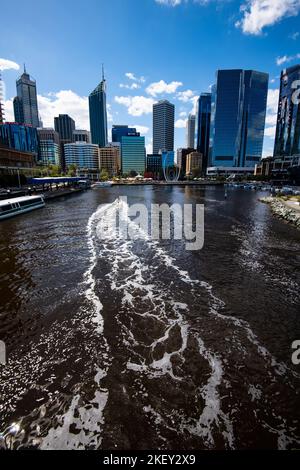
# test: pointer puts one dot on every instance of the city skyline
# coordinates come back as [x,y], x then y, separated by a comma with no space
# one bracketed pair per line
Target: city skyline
[137,80]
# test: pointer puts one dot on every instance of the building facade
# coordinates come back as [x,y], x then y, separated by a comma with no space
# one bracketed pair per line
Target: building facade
[64,125]
[80,135]
[202,127]
[19,137]
[239,102]
[49,146]
[133,154]
[181,160]
[1,100]
[154,166]
[287,140]
[98,114]
[110,160]
[83,155]
[120,131]
[190,131]
[25,103]
[194,164]
[163,126]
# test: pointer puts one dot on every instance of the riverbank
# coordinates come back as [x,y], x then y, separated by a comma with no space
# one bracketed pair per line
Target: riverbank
[287,210]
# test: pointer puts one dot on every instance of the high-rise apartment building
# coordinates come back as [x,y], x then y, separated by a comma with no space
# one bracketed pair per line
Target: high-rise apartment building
[110,159]
[133,154]
[163,126]
[239,102]
[49,146]
[202,131]
[287,140]
[98,114]
[190,131]
[25,103]
[194,164]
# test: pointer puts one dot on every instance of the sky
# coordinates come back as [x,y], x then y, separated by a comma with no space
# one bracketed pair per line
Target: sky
[151,50]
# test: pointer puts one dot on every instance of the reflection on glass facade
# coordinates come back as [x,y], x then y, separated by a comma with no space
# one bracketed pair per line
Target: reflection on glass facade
[98,115]
[239,102]
[287,140]
[133,155]
[18,137]
[25,103]
[203,116]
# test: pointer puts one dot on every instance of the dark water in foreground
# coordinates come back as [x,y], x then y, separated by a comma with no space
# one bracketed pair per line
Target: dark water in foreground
[138,345]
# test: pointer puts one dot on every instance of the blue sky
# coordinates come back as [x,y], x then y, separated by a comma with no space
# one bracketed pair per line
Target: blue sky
[152,49]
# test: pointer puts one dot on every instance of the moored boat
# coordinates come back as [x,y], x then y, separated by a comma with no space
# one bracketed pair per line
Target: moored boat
[20,205]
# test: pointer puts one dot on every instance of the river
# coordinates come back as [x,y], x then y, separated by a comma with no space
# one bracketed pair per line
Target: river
[135,344]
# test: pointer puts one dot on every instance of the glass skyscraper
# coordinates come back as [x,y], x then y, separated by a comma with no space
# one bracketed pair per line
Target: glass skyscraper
[98,114]
[65,127]
[239,104]
[202,128]
[163,126]
[19,137]
[123,131]
[25,103]
[287,140]
[190,131]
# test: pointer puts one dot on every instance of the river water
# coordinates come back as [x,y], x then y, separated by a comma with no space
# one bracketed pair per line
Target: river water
[135,344]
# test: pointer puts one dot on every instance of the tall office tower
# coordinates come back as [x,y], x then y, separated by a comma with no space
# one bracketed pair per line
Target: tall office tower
[98,114]
[49,146]
[83,155]
[239,104]
[287,140]
[65,126]
[133,154]
[1,99]
[190,131]
[25,103]
[163,126]
[80,135]
[120,131]
[202,131]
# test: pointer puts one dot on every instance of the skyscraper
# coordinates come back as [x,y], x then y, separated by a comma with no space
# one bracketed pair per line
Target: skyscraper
[65,126]
[49,146]
[163,126]
[287,140]
[1,99]
[190,131]
[238,118]
[133,154]
[98,114]
[202,131]
[25,103]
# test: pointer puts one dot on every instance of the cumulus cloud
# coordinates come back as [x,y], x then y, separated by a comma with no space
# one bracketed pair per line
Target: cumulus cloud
[131,76]
[133,86]
[136,105]
[287,58]
[180,123]
[142,129]
[185,96]
[160,87]
[258,14]
[271,117]
[6,64]
[183,114]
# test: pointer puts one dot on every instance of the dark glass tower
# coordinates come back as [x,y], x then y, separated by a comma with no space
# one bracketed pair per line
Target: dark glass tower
[123,131]
[25,103]
[98,114]
[287,140]
[202,130]
[65,126]
[163,126]
[239,104]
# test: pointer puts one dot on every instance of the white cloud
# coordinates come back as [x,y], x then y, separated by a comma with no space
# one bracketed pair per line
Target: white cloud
[271,120]
[287,58]
[257,14]
[142,129]
[64,102]
[270,132]
[185,96]
[160,87]
[294,36]
[183,114]
[133,86]
[132,77]
[9,110]
[136,105]
[6,64]
[180,123]
[170,3]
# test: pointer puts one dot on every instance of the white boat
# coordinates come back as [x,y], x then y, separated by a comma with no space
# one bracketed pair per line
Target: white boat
[20,205]
[102,184]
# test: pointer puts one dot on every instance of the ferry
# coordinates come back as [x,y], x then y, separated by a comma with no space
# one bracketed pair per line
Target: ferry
[20,205]
[102,184]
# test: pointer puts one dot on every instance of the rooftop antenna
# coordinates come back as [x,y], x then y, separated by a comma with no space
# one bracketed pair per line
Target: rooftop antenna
[103,78]
[25,68]
[1,99]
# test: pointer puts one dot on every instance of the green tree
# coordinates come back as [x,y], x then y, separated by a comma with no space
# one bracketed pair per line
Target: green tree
[104,175]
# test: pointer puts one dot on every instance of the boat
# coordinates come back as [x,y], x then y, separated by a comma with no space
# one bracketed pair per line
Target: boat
[102,184]
[20,205]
